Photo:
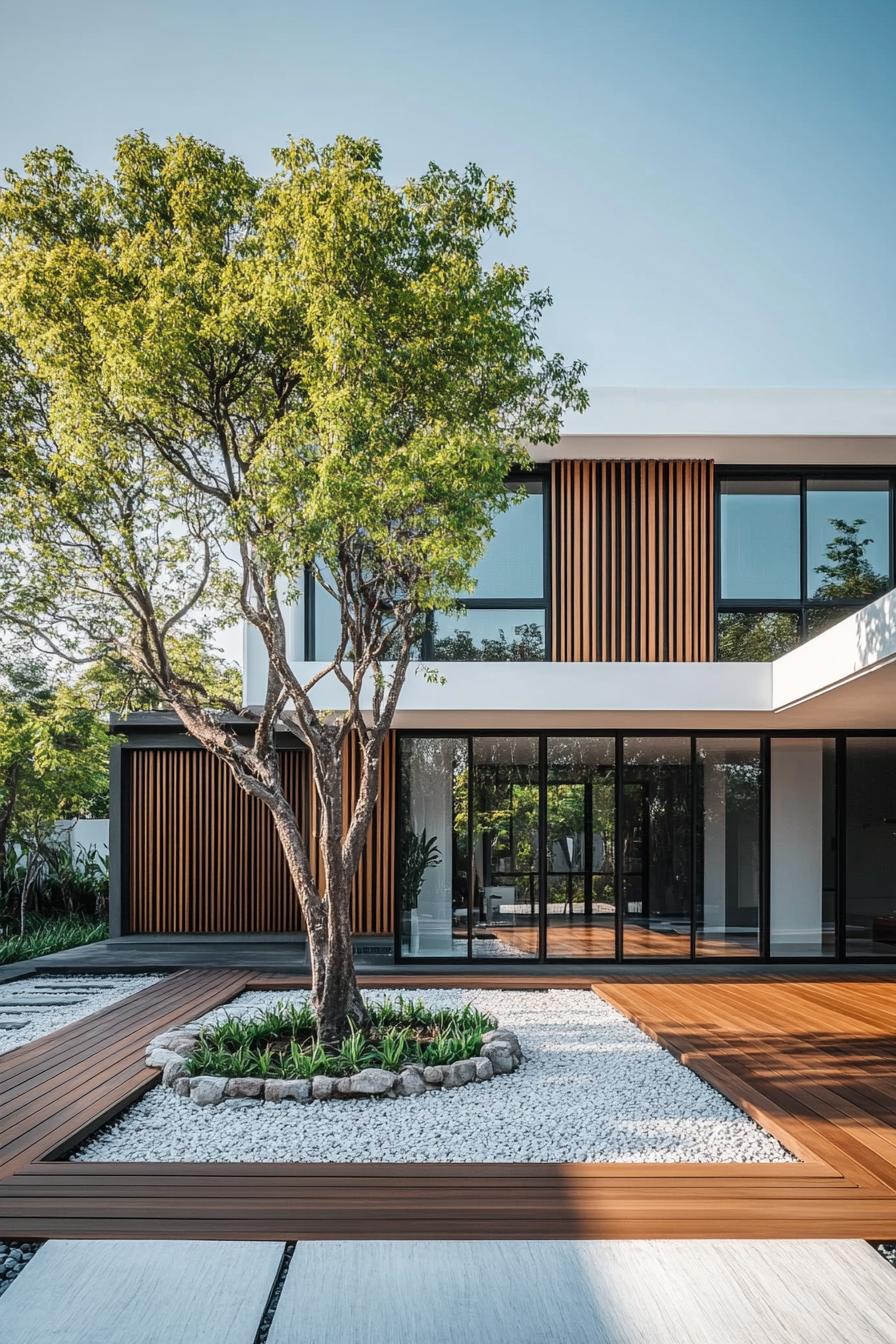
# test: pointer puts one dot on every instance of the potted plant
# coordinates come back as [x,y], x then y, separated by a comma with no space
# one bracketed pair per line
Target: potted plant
[419,853]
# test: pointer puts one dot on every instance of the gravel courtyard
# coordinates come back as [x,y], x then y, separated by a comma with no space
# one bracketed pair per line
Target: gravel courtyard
[592,1088]
[39,1004]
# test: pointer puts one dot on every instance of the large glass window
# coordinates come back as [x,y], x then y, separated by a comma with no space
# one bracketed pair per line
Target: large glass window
[760,539]
[432,855]
[728,847]
[581,847]
[656,847]
[505,805]
[501,619]
[847,539]
[503,616]
[797,553]
[871,846]
[519,845]
[512,565]
[756,636]
[488,635]
[803,858]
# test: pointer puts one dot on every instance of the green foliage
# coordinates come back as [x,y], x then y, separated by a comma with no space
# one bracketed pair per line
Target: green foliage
[442,1049]
[317,361]
[756,636]
[76,881]
[418,853]
[355,1052]
[394,1047]
[115,686]
[278,1044]
[53,755]
[305,1062]
[210,382]
[67,884]
[460,646]
[847,572]
[43,936]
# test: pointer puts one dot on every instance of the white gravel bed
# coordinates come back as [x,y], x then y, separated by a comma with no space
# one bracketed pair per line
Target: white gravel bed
[592,1088]
[39,1004]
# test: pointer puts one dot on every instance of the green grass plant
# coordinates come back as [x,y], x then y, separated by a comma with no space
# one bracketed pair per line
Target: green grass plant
[43,936]
[279,1043]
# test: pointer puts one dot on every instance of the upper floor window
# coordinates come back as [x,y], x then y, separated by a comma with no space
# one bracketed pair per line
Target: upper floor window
[796,553]
[503,617]
[504,614]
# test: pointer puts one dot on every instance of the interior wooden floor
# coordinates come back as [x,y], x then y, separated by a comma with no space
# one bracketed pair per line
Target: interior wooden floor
[568,939]
[814,1060]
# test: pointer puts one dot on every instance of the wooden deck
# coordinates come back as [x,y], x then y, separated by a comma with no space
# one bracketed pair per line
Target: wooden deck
[812,1060]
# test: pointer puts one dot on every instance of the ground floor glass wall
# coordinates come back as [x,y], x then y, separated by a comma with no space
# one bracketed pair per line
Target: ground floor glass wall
[870,786]
[654,847]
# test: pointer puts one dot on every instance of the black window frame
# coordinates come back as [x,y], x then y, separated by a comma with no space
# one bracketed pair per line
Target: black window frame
[840,738]
[804,604]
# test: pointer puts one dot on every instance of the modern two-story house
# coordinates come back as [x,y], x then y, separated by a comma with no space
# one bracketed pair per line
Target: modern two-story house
[665,727]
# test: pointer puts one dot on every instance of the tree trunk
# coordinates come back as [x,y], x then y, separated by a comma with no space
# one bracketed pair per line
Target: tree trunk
[310,904]
[340,1003]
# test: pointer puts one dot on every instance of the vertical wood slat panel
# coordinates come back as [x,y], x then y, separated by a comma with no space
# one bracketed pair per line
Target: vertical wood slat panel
[205,858]
[633,551]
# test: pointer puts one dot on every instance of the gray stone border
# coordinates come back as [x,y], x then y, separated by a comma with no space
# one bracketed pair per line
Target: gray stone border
[500,1053]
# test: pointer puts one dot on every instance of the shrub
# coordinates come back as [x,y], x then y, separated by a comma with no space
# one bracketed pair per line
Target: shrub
[43,936]
[280,1043]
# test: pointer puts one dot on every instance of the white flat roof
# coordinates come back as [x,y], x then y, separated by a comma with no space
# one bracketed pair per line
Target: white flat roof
[769,411]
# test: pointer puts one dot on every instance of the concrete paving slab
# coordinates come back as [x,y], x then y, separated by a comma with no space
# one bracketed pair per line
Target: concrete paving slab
[599,1292]
[141,1292]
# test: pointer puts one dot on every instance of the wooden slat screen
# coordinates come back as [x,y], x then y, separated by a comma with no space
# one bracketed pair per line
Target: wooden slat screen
[204,857]
[632,561]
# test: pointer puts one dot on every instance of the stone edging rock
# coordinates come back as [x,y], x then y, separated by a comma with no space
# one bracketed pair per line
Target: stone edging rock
[500,1053]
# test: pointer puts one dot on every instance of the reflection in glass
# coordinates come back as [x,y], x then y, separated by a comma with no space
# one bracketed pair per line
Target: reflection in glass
[870,846]
[581,809]
[656,847]
[756,636]
[489,635]
[847,539]
[433,847]
[803,847]
[760,539]
[728,840]
[505,847]
[512,564]
[819,619]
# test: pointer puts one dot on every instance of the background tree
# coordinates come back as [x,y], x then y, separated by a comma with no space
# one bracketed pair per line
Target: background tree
[116,686]
[53,766]
[209,382]
[847,571]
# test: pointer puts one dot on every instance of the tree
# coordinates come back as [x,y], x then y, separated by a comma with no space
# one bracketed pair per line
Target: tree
[460,646]
[117,686]
[756,636]
[213,383]
[53,765]
[847,572]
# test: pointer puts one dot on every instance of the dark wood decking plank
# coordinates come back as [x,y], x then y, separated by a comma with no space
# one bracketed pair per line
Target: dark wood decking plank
[782,1048]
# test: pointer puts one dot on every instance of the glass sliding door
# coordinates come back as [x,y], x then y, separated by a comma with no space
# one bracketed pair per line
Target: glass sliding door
[803,858]
[870,847]
[655,853]
[581,847]
[505,815]
[728,847]
[432,849]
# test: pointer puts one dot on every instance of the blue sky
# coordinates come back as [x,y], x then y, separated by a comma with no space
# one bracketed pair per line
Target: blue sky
[707,186]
